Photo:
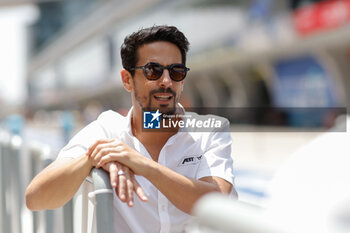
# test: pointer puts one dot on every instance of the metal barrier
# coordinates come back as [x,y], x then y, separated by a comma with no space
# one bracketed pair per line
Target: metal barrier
[103,195]
[11,183]
[93,204]
[39,155]
[20,163]
[5,183]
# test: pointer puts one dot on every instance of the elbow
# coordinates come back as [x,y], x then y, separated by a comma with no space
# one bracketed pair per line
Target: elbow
[234,193]
[188,209]
[30,199]
[231,192]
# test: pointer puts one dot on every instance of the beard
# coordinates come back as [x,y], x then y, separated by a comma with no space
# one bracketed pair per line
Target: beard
[146,105]
[165,109]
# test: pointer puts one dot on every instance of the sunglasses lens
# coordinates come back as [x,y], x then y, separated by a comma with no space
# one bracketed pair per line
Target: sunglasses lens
[153,71]
[178,72]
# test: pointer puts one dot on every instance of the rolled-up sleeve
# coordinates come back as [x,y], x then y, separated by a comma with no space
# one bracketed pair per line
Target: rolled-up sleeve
[217,160]
[81,142]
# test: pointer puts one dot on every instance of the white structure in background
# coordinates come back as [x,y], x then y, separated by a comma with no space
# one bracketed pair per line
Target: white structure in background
[13,46]
[311,192]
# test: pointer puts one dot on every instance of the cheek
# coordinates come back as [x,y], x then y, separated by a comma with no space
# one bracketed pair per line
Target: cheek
[142,90]
[140,96]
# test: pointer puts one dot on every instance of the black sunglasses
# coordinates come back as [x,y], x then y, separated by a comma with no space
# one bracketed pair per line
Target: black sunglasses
[154,71]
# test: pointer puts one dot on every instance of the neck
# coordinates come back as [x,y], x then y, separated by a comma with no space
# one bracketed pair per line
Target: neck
[136,121]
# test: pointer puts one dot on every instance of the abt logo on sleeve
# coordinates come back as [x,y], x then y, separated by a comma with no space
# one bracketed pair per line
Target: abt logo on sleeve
[189,160]
[151,120]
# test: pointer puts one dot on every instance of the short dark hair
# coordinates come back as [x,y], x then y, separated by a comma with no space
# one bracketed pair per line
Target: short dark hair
[144,36]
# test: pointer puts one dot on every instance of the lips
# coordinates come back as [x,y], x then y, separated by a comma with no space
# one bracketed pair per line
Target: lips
[163,97]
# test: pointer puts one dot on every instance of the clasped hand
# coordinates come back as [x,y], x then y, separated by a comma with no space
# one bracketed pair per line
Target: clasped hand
[107,153]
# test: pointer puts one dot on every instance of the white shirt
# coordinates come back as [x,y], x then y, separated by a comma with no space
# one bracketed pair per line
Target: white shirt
[192,154]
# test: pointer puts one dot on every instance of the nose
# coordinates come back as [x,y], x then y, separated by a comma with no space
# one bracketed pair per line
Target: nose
[165,80]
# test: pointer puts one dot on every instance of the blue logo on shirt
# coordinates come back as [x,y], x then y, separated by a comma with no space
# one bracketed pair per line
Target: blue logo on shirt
[151,120]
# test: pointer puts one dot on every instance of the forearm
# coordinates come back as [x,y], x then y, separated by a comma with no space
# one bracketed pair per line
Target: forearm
[57,184]
[182,191]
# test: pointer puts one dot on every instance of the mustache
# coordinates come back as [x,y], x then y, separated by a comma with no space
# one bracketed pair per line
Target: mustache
[163,90]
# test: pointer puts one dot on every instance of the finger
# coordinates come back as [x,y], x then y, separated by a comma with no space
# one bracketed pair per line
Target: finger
[113,156]
[99,152]
[98,146]
[102,150]
[129,189]
[93,146]
[138,190]
[95,149]
[121,188]
[99,142]
[113,174]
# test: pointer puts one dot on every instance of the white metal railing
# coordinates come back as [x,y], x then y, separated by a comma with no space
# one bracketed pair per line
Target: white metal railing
[20,162]
[89,212]
[11,183]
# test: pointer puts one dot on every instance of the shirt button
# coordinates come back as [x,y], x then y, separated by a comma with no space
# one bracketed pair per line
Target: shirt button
[162,207]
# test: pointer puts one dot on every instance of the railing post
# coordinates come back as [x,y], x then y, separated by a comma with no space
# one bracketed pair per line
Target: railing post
[35,168]
[68,217]
[39,156]
[103,201]
[1,183]
[16,176]
[5,183]
[67,123]
[49,214]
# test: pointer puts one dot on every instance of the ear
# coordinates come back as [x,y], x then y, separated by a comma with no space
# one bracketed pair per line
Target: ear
[127,80]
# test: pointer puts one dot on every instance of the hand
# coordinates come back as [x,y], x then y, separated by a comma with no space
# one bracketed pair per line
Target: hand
[125,184]
[113,150]
[98,146]
[125,155]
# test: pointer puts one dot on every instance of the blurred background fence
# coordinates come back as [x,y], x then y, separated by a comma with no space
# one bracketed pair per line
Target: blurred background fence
[20,161]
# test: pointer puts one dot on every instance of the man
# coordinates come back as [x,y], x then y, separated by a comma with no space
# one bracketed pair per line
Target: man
[174,168]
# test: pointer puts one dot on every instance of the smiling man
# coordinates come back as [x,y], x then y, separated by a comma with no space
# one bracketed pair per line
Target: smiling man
[169,170]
